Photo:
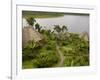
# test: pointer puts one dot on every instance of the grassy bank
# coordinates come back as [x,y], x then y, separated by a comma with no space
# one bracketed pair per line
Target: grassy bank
[40,14]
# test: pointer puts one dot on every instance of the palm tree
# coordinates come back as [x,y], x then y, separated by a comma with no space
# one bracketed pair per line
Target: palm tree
[37,26]
[64,28]
[57,28]
[31,21]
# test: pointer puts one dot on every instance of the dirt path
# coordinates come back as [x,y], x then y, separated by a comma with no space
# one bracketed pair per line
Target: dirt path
[61,56]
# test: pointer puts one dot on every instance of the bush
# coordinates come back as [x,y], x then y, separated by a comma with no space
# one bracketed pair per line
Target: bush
[29,50]
[45,60]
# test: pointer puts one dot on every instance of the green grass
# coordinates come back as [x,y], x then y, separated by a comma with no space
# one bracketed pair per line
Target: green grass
[27,64]
[47,55]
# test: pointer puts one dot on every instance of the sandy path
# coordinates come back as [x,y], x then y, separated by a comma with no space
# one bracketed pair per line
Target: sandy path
[60,55]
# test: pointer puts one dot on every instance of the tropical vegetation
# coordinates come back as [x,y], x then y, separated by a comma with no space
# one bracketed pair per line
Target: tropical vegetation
[60,48]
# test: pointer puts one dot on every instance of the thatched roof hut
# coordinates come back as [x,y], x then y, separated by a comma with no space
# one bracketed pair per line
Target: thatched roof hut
[29,34]
[85,36]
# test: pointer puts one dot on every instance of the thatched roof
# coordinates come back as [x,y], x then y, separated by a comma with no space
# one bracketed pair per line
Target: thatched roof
[85,36]
[29,34]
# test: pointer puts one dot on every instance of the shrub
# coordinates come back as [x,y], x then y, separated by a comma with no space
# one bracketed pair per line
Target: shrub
[45,60]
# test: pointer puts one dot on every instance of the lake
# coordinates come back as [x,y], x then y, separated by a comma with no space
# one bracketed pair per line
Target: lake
[76,23]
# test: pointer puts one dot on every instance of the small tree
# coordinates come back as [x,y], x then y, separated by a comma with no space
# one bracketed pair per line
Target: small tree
[57,28]
[31,20]
[64,28]
[37,26]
